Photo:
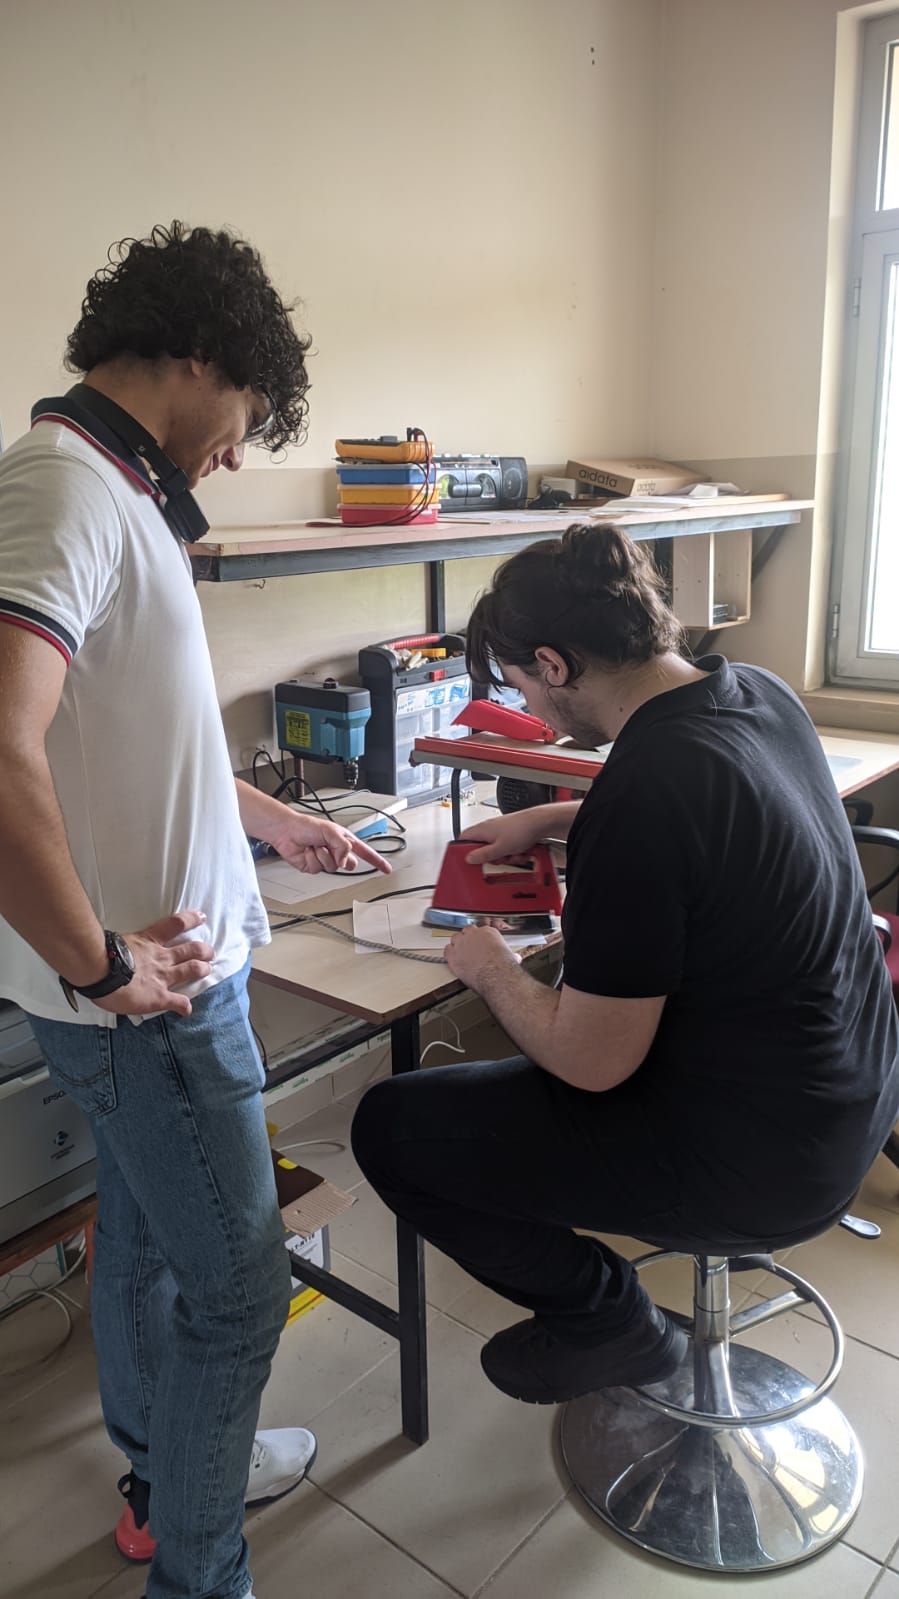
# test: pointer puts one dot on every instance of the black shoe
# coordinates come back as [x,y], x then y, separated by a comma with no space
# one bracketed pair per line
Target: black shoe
[528,1363]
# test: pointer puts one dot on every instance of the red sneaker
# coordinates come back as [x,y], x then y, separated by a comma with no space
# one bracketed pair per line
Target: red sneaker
[279,1463]
[132,1534]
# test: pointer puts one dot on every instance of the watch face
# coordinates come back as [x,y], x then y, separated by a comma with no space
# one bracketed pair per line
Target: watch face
[118,951]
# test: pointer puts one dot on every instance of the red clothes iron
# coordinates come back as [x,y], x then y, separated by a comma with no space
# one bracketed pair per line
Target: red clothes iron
[519,894]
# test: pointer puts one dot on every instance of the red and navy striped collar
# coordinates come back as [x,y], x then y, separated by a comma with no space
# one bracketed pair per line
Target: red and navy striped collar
[90,427]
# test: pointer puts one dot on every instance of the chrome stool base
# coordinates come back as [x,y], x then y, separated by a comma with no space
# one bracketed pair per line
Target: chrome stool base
[730,1498]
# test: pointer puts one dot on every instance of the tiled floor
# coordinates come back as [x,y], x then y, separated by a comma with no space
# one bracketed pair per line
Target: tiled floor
[485,1507]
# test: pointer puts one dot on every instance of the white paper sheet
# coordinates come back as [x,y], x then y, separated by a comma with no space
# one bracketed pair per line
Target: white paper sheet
[284,885]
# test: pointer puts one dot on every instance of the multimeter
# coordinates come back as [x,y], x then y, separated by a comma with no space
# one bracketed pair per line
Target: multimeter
[386,448]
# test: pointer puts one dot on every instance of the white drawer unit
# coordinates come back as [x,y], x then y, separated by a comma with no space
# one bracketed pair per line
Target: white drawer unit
[47,1154]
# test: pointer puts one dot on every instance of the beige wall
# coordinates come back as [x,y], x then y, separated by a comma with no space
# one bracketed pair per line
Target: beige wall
[433,177]
[614,224]
[751,268]
[429,175]
[313,626]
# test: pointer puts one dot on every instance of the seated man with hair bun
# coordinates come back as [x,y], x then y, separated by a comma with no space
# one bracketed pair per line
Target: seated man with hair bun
[719,1062]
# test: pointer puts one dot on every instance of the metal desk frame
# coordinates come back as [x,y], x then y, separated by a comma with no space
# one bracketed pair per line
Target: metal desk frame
[407,1322]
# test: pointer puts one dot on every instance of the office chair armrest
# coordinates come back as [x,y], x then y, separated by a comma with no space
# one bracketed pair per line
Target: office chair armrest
[884,931]
[876,835]
[888,838]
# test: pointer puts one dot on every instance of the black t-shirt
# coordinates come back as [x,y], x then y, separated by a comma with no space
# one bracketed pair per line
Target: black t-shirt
[712,862]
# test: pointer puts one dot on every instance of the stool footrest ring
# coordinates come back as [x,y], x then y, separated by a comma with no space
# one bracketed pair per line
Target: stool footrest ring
[803,1291]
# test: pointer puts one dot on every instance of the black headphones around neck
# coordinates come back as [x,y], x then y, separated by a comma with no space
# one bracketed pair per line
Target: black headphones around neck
[177,504]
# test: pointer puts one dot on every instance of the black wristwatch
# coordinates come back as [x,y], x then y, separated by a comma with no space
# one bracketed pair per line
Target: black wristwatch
[121,971]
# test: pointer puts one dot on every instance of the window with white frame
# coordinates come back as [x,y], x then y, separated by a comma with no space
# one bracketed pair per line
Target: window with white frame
[865,609]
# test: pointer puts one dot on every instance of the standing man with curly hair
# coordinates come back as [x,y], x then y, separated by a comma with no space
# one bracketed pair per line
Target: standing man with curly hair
[128,898]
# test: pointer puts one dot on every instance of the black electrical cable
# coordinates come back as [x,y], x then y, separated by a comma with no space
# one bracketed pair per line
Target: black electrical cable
[260,1046]
[422,497]
[335,809]
[300,798]
[317,806]
[390,893]
[263,754]
[372,871]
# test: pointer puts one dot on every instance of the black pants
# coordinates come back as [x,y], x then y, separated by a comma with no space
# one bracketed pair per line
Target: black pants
[495,1162]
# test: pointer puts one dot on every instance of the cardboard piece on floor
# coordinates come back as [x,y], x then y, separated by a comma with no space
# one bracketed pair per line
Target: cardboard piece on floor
[307,1202]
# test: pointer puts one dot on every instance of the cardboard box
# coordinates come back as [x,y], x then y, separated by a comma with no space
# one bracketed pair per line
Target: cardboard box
[630,477]
[307,1202]
[314,1250]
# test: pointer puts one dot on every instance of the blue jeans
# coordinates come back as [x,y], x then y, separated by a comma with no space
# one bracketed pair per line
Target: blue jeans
[192,1281]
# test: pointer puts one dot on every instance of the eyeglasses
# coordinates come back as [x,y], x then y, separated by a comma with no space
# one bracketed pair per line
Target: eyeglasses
[260,426]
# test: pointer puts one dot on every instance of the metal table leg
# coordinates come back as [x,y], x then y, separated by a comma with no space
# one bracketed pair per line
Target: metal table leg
[436,606]
[406,1055]
[455,801]
[407,1322]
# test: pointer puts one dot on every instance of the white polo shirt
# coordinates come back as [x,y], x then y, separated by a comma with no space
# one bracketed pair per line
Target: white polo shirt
[136,748]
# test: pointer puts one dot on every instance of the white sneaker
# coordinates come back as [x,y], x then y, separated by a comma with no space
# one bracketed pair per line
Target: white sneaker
[280,1460]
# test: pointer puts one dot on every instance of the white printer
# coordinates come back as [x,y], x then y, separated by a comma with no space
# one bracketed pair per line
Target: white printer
[47,1154]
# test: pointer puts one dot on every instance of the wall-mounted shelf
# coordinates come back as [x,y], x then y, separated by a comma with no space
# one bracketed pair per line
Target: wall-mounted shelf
[287,549]
[712,570]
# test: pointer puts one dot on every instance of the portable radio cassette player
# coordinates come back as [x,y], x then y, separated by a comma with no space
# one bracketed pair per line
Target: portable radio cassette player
[481,482]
